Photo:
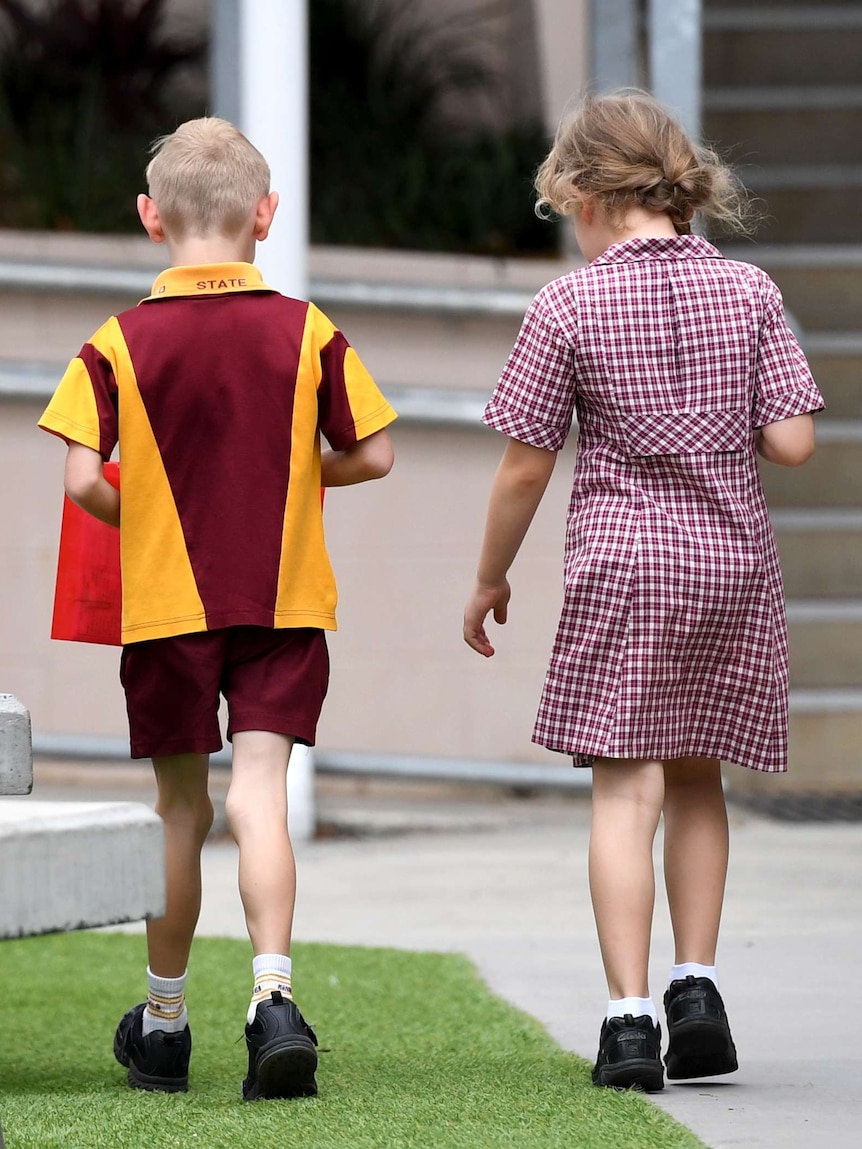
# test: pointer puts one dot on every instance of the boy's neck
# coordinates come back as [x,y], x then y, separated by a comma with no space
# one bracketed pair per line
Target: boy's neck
[194,251]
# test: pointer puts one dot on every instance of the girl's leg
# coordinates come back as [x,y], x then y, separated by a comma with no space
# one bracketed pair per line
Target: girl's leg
[627,803]
[695,855]
[256,808]
[695,851]
[184,806]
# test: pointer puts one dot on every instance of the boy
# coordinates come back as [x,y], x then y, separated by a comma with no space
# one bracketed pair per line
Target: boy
[215,388]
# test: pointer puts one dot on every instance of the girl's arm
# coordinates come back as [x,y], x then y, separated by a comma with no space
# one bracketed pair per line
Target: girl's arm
[87,486]
[789,442]
[519,484]
[369,458]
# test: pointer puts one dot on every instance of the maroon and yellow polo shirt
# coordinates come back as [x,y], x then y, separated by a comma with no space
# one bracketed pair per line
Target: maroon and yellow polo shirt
[216,388]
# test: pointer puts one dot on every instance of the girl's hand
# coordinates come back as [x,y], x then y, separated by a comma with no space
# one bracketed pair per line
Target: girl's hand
[482,600]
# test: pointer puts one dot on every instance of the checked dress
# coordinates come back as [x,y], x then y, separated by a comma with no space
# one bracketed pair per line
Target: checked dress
[672,640]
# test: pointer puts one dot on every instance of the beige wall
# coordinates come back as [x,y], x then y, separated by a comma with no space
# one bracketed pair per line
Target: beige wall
[404,549]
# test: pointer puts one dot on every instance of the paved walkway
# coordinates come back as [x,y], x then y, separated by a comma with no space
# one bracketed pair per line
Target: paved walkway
[504,881]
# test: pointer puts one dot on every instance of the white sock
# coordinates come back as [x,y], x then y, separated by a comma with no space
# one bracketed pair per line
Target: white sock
[271,971]
[693,969]
[166,1004]
[636,1006]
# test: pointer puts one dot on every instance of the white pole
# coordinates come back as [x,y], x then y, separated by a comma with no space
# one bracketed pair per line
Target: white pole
[273,109]
[675,58]
[273,113]
[224,60]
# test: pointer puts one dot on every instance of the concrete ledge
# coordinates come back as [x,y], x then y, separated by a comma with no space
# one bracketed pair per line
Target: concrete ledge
[16,747]
[72,865]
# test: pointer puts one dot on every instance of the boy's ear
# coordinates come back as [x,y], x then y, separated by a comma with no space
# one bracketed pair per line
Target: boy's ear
[149,214]
[264,212]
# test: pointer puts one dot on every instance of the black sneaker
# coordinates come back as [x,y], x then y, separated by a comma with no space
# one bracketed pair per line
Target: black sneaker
[159,1061]
[629,1054]
[281,1052]
[699,1041]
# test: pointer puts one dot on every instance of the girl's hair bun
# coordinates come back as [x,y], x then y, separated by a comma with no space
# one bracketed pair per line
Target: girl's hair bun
[625,149]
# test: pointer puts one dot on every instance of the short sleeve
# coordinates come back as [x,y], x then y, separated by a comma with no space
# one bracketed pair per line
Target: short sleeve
[350,404]
[535,396]
[783,384]
[83,409]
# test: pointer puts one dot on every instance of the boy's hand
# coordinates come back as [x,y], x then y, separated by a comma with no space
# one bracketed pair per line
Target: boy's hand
[482,600]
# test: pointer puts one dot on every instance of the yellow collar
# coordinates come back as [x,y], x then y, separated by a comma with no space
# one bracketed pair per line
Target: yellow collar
[207,279]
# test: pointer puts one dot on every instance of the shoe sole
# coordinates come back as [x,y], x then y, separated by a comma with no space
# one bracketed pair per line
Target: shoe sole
[641,1073]
[700,1048]
[284,1070]
[138,1080]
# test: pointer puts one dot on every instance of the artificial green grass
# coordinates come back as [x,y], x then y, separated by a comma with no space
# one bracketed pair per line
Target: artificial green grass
[415,1053]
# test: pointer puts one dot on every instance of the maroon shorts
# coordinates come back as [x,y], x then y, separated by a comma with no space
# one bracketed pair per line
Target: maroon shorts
[273,680]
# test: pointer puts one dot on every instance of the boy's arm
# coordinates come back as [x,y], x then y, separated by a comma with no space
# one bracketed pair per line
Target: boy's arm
[87,486]
[518,487]
[789,442]
[369,458]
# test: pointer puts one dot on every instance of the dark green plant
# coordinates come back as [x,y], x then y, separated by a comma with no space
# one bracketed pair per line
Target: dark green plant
[85,85]
[386,169]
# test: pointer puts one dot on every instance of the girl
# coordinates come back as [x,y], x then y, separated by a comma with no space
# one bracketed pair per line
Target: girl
[671,652]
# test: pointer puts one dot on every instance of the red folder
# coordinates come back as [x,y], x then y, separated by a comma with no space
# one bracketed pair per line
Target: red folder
[88,599]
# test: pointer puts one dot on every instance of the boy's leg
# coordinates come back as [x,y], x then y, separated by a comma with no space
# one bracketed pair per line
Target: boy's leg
[275,682]
[186,810]
[695,862]
[281,1046]
[153,1040]
[172,689]
[627,800]
[256,809]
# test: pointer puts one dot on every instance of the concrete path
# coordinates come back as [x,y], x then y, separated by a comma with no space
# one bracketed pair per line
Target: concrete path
[505,882]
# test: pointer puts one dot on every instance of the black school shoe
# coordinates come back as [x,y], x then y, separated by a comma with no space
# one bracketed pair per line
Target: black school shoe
[281,1052]
[159,1061]
[699,1041]
[629,1054]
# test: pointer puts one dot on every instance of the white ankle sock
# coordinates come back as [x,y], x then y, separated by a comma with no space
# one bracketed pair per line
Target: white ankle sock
[693,969]
[166,1004]
[636,1006]
[271,971]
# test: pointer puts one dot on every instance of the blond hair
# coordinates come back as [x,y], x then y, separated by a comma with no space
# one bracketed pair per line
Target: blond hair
[206,178]
[626,149]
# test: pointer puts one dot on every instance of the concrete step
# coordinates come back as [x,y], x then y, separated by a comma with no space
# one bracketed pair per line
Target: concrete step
[759,97]
[775,15]
[782,135]
[826,740]
[821,283]
[16,747]
[825,751]
[836,360]
[821,552]
[819,44]
[832,478]
[825,643]
[72,865]
[811,211]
